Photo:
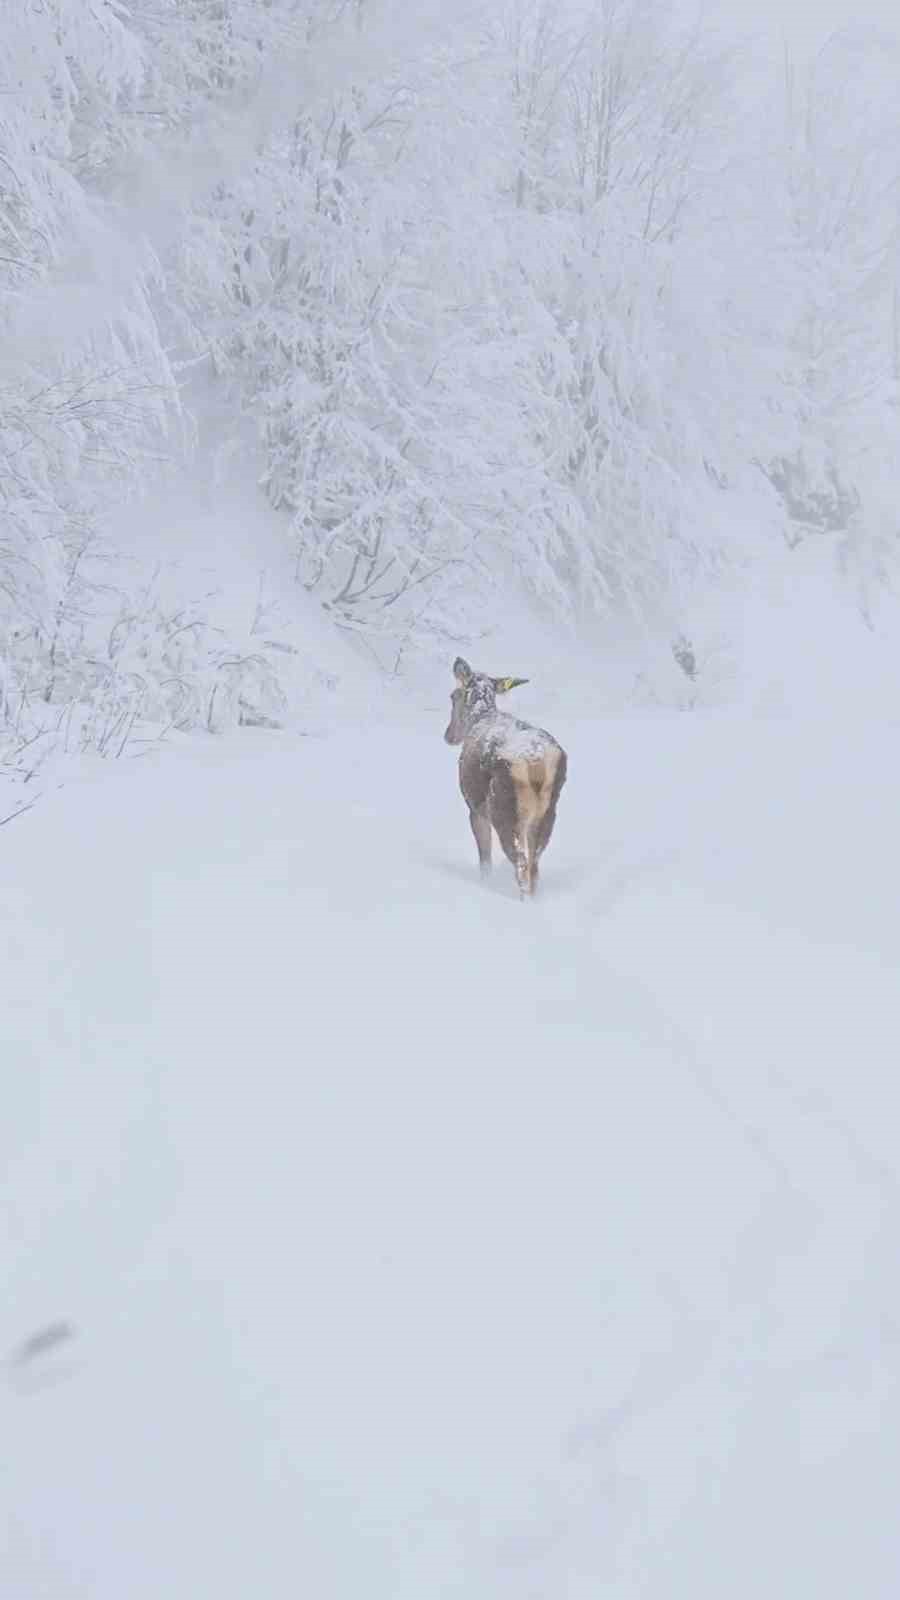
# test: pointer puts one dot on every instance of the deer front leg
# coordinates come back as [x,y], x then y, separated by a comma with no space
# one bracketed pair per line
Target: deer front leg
[480,819]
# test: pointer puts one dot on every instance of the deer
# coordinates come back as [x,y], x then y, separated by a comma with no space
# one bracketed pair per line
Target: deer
[510,774]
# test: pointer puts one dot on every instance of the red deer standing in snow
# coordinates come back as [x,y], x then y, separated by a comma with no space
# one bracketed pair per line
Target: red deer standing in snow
[510,773]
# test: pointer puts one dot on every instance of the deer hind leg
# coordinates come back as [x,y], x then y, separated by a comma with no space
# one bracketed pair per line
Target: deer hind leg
[504,799]
[524,876]
[555,778]
[534,857]
[480,818]
[514,847]
[515,806]
[537,792]
[533,799]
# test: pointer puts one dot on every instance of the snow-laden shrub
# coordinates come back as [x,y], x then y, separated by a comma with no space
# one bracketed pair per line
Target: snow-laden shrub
[118,666]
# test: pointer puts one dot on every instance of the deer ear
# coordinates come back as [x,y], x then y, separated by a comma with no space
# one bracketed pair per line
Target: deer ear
[503,685]
[462,672]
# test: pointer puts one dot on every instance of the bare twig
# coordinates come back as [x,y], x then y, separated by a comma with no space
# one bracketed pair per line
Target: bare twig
[13,814]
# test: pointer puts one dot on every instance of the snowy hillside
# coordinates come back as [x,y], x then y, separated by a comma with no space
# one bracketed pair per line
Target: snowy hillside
[415,1241]
[585,310]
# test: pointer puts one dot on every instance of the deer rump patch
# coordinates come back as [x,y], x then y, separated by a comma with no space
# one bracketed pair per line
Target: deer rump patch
[522,792]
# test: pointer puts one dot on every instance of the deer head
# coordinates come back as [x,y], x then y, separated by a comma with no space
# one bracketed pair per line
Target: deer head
[474,697]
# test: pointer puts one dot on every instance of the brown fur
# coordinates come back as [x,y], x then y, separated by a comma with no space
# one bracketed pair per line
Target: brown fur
[511,776]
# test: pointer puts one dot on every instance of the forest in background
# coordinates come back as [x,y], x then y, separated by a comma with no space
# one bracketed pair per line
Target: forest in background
[586,305]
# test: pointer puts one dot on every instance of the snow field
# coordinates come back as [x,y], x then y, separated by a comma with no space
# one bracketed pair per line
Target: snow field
[418,1239]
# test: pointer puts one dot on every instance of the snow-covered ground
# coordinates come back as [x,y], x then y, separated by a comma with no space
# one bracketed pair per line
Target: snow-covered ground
[418,1242]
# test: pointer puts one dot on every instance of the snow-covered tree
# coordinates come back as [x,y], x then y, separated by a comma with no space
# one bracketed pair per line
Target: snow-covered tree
[542,297]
